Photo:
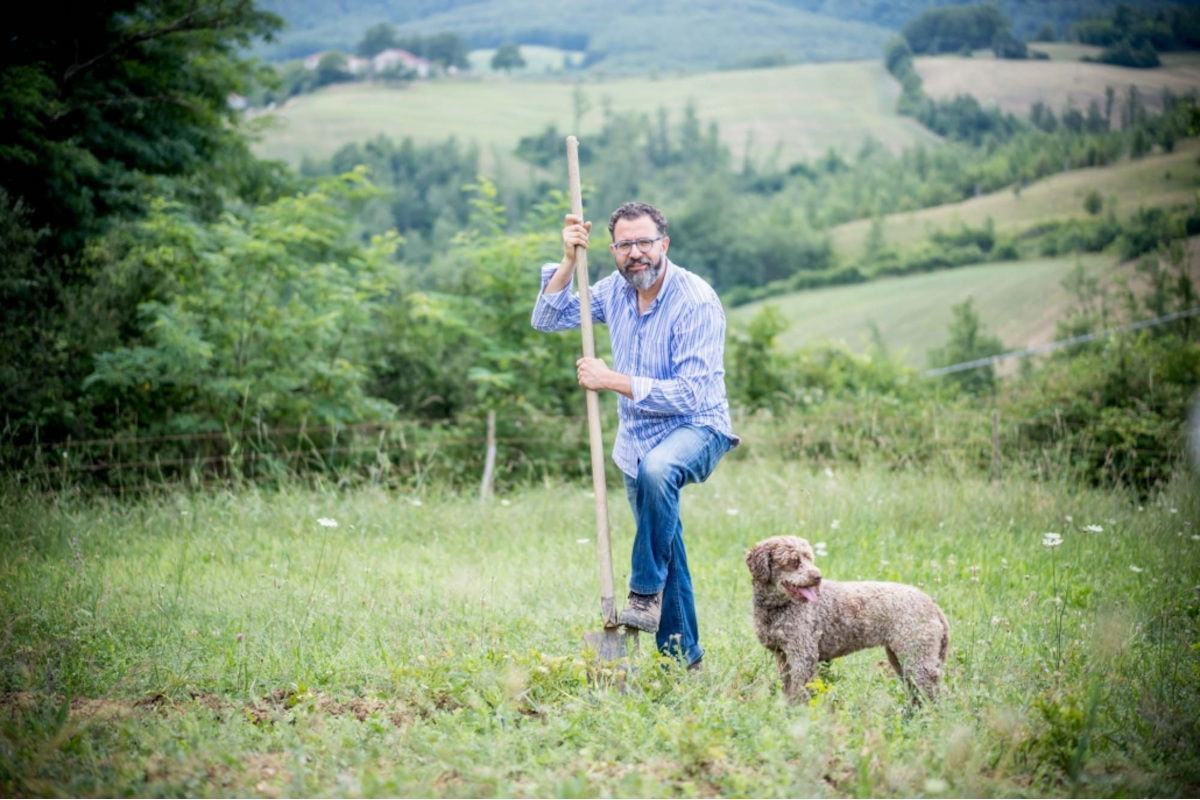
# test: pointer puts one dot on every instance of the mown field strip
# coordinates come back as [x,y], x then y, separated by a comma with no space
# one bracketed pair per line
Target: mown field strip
[1157,180]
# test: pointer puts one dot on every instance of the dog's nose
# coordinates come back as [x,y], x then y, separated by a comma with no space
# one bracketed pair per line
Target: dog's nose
[817,579]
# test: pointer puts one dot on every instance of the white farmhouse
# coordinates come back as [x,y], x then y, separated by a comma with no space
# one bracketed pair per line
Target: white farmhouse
[391,58]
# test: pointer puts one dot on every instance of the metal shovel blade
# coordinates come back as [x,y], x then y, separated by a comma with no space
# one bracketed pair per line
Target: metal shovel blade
[612,644]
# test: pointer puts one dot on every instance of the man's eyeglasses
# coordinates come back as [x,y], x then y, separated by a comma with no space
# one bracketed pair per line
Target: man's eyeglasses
[625,246]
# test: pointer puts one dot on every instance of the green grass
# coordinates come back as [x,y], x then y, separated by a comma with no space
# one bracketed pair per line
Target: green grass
[1159,180]
[802,110]
[1018,301]
[227,643]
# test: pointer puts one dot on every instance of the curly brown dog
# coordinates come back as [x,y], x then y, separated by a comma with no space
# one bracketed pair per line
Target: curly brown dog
[803,619]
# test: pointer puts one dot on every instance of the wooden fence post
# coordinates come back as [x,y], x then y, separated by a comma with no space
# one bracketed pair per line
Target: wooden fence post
[489,462]
[995,445]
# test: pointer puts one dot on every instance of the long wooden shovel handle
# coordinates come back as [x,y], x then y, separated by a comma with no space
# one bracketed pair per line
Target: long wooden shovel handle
[608,605]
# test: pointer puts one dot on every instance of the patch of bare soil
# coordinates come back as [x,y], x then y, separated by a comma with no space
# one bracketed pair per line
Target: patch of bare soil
[271,708]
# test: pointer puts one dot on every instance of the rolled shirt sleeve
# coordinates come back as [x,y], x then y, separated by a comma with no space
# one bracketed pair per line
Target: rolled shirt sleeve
[559,311]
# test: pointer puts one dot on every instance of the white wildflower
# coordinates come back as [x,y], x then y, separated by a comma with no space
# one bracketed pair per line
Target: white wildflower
[1174,510]
[505,503]
[828,472]
[1135,569]
[582,541]
[1093,529]
[837,523]
[1196,537]
[1069,518]
[327,522]
[415,501]
[733,512]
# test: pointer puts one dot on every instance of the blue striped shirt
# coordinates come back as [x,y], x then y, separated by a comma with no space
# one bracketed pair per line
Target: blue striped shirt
[673,355]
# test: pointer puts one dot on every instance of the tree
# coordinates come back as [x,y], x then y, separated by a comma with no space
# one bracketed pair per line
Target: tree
[104,108]
[950,29]
[376,39]
[447,50]
[99,101]
[579,103]
[1046,33]
[332,68]
[968,341]
[508,57]
[1005,45]
[759,375]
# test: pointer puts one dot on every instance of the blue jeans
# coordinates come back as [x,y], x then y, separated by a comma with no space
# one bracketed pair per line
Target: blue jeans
[688,455]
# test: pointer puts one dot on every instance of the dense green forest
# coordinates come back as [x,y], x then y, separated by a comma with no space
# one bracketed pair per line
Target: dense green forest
[163,288]
[667,36]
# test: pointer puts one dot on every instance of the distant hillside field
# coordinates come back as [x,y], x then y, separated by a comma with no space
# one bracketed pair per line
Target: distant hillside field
[804,109]
[1157,180]
[539,60]
[1016,85]
[1019,302]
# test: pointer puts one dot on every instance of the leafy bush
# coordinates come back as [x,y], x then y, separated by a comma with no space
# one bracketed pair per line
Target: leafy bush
[968,342]
[1124,54]
[262,323]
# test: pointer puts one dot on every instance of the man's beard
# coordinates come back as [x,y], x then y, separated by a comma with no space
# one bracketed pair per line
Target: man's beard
[642,279]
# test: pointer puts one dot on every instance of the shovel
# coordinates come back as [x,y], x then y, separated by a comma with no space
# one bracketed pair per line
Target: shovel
[614,642]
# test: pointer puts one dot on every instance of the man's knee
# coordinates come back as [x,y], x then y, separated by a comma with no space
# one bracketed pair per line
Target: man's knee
[657,472]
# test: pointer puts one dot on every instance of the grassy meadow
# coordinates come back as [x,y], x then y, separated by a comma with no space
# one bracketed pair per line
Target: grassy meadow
[228,643]
[1018,301]
[1157,180]
[801,110]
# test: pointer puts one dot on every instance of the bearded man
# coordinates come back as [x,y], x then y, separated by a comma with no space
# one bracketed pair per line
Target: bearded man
[667,329]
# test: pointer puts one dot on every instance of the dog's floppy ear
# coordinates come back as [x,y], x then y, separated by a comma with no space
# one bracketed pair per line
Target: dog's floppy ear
[759,561]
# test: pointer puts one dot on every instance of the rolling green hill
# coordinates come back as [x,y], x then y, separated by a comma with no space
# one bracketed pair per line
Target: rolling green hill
[804,110]
[1158,180]
[1017,301]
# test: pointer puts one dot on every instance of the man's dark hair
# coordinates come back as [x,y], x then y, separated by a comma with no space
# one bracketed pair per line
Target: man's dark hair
[634,210]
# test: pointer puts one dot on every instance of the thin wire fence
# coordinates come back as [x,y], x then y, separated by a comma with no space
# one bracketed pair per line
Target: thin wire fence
[412,453]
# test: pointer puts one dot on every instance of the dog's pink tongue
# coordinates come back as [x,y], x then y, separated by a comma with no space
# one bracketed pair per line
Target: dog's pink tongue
[808,594]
